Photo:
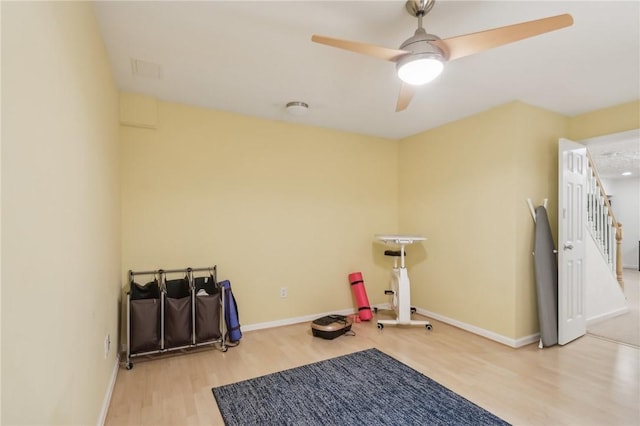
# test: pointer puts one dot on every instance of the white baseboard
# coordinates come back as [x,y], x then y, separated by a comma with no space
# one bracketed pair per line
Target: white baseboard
[606,316]
[306,318]
[383,306]
[514,343]
[296,320]
[107,397]
[634,267]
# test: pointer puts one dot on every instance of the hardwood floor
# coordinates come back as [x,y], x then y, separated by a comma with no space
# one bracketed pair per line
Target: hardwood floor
[587,382]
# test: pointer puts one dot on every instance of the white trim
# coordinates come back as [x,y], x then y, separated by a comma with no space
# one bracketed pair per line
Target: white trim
[526,340]
[107,397]
[599,318]
[514,343]
[383,306]
[296,320]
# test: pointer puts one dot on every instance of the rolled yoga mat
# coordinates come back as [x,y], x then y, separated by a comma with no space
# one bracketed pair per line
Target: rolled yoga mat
[360,294]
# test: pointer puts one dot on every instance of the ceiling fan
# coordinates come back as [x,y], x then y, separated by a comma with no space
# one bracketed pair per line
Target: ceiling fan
[421,58]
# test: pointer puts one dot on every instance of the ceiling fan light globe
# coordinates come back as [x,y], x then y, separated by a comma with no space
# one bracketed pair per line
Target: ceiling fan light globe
[420,71]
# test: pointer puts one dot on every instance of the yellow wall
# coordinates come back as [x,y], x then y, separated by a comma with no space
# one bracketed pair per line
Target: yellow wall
[60,214]
[279,205]
[536,178]
[456,186]
[464,185]
[272,204]
[605,121]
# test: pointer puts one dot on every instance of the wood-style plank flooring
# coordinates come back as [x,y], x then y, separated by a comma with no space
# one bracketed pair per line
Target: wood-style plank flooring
[587,382]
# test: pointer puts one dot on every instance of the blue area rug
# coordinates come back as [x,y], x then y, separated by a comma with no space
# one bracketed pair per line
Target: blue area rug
[367,387]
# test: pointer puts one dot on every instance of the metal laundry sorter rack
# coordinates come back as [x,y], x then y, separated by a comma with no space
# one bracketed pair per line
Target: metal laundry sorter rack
[167,315]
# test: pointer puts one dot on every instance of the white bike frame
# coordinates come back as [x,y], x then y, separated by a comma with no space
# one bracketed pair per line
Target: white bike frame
[400,284]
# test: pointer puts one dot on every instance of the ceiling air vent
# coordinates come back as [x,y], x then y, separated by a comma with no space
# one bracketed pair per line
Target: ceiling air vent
[140,68]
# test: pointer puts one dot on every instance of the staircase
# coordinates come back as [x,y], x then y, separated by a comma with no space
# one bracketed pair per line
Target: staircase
[604,287]
[605,230]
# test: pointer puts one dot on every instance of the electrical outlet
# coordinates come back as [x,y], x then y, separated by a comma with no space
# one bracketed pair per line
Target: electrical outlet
[107,345]
[283,292]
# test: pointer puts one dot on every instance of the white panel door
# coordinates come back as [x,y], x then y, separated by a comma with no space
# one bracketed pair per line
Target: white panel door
[572,213]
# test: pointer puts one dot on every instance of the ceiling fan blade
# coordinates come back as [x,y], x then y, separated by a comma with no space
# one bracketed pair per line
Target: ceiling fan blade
[465,45]
[364,48]
[404,98]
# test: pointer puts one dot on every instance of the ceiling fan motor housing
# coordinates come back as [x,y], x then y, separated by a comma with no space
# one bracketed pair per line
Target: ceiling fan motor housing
[420,47]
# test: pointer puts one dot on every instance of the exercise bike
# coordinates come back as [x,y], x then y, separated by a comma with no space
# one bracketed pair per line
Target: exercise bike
[400,287]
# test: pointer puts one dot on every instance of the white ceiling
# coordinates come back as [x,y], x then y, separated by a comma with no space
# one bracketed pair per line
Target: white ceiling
[254,57]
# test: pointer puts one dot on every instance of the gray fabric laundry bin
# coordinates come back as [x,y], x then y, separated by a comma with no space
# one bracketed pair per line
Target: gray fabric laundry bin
[177,313]
[144,317]
[207,314]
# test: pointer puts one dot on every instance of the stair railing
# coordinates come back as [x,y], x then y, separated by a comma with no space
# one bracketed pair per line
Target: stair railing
[605,229]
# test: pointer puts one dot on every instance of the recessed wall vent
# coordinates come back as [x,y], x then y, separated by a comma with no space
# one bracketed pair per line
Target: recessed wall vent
[145,69]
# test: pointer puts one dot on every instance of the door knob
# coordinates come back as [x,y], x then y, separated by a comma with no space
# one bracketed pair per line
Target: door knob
[568,245]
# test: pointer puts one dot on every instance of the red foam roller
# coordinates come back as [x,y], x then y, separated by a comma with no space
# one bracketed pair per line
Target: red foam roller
[360,294]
